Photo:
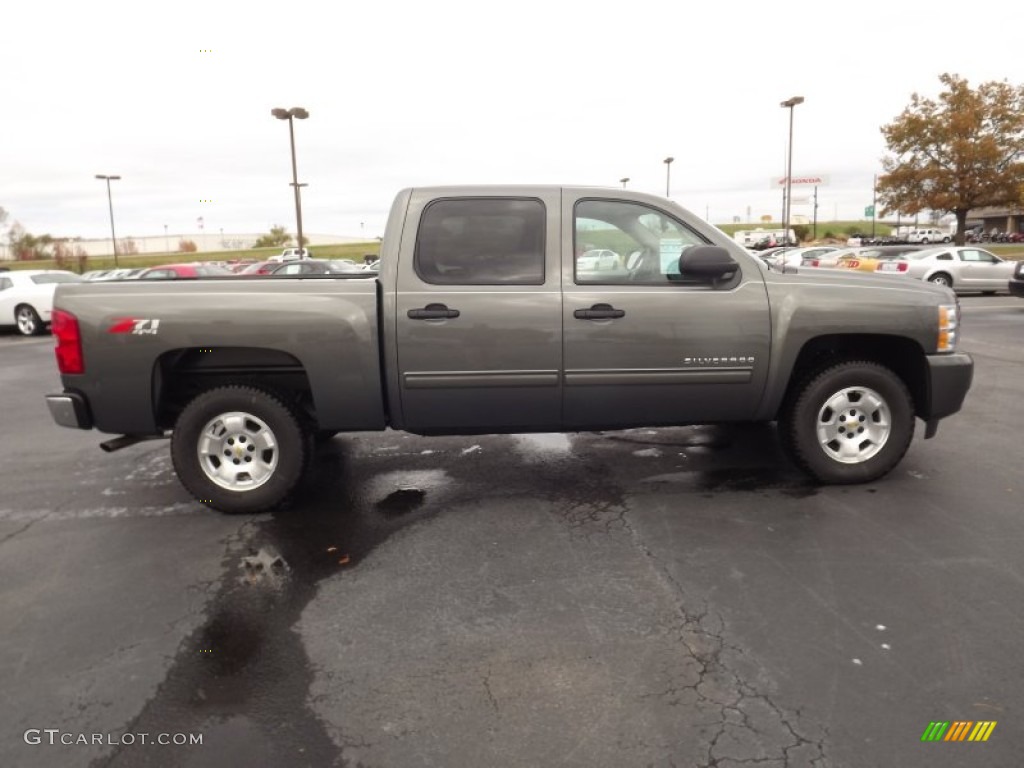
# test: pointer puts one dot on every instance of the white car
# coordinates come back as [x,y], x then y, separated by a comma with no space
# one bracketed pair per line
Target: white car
[26,297]
[961,268]
[597,260]
[291,254]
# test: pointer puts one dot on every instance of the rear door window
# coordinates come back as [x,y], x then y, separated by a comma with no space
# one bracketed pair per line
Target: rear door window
[481,241]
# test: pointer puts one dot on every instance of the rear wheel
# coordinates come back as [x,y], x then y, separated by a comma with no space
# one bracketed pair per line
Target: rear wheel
[28,321]
[851,423]
[239,449]
[941,279]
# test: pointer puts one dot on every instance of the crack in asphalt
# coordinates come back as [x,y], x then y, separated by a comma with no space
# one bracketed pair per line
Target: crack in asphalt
[23,528]
[603,508]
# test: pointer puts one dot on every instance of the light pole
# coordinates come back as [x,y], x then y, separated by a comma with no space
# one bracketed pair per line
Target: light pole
[624,179]
[788,206]
[110,202]
[668,173]
[167,243]
[288,114]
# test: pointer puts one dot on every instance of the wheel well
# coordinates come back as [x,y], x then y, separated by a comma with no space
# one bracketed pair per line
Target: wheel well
[902,356]
[943,273]
[180,375]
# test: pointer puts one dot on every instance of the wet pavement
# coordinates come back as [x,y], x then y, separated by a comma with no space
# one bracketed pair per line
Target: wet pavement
[650,597]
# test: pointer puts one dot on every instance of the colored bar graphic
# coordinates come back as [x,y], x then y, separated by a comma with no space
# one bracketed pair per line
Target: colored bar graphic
[958,730]
[982,731]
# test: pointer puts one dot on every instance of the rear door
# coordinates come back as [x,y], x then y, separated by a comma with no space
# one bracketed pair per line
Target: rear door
[645,345]
[479,322]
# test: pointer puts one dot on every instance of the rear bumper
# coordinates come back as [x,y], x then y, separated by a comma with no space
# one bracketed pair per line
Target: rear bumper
[1017,288]
[70,409]
[949,378]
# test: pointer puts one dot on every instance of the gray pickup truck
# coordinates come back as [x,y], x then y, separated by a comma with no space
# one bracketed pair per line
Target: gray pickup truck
[488,317]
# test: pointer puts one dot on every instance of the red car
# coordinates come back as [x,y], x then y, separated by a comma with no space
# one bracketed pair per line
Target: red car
[259,268]
[178,271]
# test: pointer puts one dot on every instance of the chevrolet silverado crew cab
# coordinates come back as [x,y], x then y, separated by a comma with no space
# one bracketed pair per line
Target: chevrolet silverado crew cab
[488,317]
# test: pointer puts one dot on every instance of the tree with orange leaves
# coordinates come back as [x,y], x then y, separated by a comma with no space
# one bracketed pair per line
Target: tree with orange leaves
[964,150]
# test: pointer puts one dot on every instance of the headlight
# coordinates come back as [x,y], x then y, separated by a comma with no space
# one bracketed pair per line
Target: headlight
[949,327]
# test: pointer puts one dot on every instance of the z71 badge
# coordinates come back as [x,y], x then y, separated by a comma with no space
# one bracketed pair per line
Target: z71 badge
[140,326]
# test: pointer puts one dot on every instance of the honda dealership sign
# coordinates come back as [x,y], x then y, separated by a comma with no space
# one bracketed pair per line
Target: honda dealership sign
[778,182]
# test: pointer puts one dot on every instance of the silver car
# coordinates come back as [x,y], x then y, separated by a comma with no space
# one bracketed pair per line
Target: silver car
[963,268]
[794,257]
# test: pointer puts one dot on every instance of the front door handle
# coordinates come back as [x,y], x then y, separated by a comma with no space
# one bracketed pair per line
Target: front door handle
[433,312]
[599,312]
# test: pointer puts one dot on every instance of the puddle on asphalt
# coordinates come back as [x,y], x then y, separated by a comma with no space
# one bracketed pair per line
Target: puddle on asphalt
[247,660]
[543,447]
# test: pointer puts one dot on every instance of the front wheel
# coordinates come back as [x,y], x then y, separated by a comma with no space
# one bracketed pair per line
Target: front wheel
[239,449]
[851,423]
[28,321]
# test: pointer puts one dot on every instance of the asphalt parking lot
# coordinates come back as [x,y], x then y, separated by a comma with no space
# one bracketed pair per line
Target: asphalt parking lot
[671,597]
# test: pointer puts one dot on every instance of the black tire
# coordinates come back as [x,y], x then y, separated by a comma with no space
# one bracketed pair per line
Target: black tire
[27,320]
[233,419]
[941,278]
[875,395]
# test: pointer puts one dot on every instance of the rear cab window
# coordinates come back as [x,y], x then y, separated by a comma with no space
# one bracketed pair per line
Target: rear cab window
[481,241]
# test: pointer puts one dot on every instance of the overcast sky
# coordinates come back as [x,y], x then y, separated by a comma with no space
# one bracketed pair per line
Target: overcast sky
[444,92]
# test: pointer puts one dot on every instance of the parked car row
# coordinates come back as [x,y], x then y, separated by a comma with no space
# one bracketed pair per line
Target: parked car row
[273,266]
[26,296]
[962,268]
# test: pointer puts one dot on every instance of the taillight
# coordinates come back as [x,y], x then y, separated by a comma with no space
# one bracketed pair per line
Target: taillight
[68,348]
[815,263]
[892,266]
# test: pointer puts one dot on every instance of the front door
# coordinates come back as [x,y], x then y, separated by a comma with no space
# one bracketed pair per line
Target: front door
[645,345]
[479,317]
[983,271]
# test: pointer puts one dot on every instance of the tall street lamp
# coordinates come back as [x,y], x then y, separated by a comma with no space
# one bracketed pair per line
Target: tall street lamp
[288,114]
[624,179]
[668,173]
[788,207]
[110,202]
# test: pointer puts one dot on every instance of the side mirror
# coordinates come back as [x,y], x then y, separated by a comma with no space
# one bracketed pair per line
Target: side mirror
[707,261]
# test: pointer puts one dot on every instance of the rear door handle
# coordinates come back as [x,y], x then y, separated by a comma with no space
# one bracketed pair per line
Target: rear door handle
[433,312]
[599,312]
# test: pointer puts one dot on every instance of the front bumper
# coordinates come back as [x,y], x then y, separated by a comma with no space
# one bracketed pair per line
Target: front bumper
[70,409]
[949,379]
[1017,288]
